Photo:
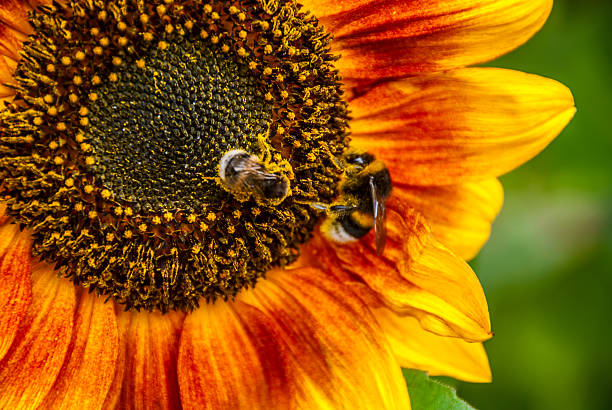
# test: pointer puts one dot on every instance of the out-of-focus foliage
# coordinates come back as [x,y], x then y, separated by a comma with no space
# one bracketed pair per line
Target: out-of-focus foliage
[547,269]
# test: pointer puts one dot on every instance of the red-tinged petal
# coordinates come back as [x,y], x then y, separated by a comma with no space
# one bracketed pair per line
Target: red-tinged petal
[14,14]
[7,67]
[15,288]
[146,365]
[394,38]
[300,339]
[465,125]
[460,215]
[87,373]
[10,41]
[338,355]
[416,348]
[417,276]
[231,357]
[32,364]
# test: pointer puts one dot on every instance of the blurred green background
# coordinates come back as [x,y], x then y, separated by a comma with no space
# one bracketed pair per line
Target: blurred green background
[547,269]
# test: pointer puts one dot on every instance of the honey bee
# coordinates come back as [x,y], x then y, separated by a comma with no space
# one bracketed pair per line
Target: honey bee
[364,189]
[246,175]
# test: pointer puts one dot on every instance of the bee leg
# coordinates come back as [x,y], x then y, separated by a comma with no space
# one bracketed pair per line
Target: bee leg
[333,209]
[337,163]
[342,209]
[320,206]
[266,156]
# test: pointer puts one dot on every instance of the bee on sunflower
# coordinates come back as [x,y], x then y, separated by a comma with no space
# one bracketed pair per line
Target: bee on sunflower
[253,204]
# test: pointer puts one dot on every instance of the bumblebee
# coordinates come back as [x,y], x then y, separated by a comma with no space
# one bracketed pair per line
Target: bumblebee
[246,175]
[364,189]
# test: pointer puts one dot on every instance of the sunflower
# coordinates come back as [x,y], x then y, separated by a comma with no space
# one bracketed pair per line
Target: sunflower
[189,190]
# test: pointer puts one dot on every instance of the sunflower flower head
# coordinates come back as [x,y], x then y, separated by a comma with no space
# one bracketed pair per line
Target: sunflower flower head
[257,203]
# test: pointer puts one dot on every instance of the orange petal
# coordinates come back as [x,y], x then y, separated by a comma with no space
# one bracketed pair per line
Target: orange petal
[16,288]
[393,38]
[88,370]
[32,364]
[14,13]
[418,276]
[10,41]
[7,67]
[299,337]
[338,353]
[146,365]
[114,392]
[231,358]
[416,348]
[460,215]
[468,124]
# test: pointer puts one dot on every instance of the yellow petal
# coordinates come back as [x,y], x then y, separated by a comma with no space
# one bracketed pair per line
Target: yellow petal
[417,276]
[88,370]
[32,364]
[397,37]
[460,215]
[416,348]
[146,365]
[299,337]
[464,125]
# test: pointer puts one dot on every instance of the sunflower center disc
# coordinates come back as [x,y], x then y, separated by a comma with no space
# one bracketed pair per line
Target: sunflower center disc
[160,131]
[111,150]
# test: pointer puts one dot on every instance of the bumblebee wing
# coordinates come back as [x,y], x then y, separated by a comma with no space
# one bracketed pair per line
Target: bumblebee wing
[379,211]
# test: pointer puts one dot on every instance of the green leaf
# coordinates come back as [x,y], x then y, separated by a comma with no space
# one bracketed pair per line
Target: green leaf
[428,394]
